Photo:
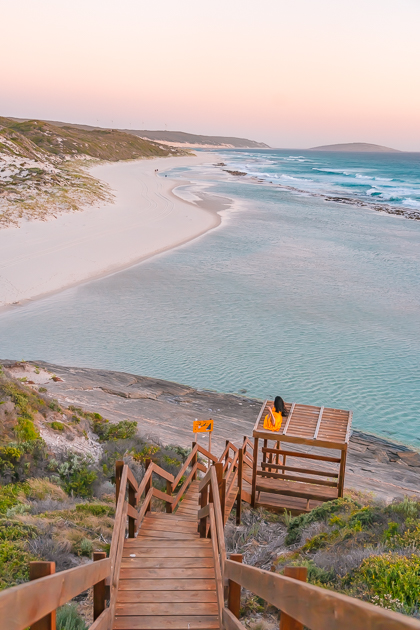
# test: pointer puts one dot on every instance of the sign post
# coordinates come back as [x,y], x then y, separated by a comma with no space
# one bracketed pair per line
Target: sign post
[203,426]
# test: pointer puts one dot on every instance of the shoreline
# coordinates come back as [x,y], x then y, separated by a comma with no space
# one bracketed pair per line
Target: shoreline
[146,218]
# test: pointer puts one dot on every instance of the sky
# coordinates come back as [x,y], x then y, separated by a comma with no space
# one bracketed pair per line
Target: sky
[291,73]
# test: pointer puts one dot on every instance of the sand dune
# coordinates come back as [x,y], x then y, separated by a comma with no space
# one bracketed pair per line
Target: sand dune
[146,218]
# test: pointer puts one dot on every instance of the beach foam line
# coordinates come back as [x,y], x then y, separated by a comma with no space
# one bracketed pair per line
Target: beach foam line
[145,218]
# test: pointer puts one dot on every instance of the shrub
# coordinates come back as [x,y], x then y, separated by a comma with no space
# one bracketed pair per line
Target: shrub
[15,530]
[69,619]
[55,406]
[120,431]
[394,575]
[25,429]
[86,547]
[320,513]
[42,390]
[14,563]
[408,508]
[57,426]
[77,475]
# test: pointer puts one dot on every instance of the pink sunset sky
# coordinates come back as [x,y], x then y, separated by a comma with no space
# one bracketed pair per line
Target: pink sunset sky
[291,73]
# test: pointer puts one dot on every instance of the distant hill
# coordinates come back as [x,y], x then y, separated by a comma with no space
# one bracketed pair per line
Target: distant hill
[356,147]
[173,138]
[182,139]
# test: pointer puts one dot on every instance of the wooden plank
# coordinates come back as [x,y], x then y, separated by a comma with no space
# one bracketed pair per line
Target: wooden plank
[103,621]
[168,608]
[138,597]
[169,574]
[318,424]
[265,403]
[282,476]
[315,607]
[308,471]
[188,551]
[163,496]
[131,480]
[324,458]
[140,543]
[289,417]
[166,585]
[230,622]
[167,623]
[163,517]
[158,525]
[39,569]
[310,492]
[47,594]
[166,535]
[337,446]
[139,562]
[145,505]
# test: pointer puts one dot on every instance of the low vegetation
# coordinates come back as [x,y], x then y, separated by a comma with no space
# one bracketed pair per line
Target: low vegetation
[59,505]
[353,545]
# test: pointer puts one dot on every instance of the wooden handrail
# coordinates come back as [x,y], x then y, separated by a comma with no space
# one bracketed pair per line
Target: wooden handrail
[23,605]
[184,467]
[315,607]
[184,486]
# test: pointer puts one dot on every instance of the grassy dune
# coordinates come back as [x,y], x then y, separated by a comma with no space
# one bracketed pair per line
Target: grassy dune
[43,168]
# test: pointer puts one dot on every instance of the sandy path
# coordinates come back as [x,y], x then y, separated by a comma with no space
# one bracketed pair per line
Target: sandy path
[146,218]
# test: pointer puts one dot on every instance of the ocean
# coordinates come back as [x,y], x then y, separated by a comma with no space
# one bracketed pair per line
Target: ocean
[309,289]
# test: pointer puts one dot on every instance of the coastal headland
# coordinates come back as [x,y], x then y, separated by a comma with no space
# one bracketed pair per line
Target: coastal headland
[143,219]
[165,411]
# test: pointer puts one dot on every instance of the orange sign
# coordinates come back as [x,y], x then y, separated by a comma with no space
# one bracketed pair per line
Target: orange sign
[203,426]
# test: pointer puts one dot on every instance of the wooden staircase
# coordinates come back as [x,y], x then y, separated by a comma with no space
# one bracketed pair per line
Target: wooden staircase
[169,571]
[167,577]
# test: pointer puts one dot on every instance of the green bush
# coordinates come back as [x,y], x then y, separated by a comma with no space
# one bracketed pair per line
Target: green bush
[362,518]
[107,431]
[320,513]
[15,531]
[77,475]
[14,563]
[394,575]
[9,495]
[69,619]
[407,508]
[86,547]
[42,390]
[25,429]
[57,426]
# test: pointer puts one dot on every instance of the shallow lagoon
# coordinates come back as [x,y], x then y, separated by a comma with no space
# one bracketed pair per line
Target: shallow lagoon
[316,301]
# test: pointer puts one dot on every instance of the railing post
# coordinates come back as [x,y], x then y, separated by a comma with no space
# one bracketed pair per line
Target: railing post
[119,465]
[222,487]
[234,597]
[132,500]
[286,622]
[38,570]
[194,461]
[342,472]
[239,495]
[204,499]
[148,462]
[99,589]
[254,473]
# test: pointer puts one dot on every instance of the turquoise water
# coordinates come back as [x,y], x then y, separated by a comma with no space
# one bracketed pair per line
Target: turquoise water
[292,295]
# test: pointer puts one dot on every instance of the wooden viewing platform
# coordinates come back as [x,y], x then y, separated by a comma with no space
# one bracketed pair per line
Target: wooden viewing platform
[294,483]
[169,570]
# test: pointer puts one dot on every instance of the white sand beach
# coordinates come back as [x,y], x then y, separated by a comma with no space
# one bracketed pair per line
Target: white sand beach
[146,218]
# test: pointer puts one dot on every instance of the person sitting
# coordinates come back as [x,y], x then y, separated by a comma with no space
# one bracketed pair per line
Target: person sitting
[274,418]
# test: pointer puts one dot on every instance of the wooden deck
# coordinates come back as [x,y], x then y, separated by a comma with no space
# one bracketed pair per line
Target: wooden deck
[167,578]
